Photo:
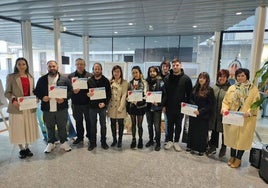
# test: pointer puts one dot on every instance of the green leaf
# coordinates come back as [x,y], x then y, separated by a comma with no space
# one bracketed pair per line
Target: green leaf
[257,104]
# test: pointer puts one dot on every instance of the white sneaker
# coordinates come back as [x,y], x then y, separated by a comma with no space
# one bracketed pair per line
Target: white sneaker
[169,145]
[177,146]
[65,146]
[49,147]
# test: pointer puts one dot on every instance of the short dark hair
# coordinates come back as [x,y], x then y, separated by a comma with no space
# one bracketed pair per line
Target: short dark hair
[223,72]
[242,70]
[176,60]
[165,62]
[96,64]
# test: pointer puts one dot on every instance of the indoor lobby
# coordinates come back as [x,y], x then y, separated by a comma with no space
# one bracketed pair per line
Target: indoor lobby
[206,35]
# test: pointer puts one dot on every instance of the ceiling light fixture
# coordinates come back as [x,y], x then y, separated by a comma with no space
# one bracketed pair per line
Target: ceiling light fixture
[238,13]
[71,19]
[194,26]
[130,23]
[151,27]
[115,32]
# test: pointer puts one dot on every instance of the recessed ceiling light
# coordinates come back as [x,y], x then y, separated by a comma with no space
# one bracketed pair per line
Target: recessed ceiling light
[238,13]
[130,23]
[115,32]
[194,26]
[71,19]
[151,27]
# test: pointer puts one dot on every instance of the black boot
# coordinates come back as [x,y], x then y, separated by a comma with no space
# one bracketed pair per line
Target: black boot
[157,147]
[114,143]
[119,144]
[120,133]
[149,143]
[22,154]
[140,144]
[28,153]
[113,128]
[133,143]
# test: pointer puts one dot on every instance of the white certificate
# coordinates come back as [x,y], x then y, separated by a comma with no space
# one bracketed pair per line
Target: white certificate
[28,102]
[135,95]
[57,92]
[188,109]
[79,83]
[98,93]
[233,118]
[153,96]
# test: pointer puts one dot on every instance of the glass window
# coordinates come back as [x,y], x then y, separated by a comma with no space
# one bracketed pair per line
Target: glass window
[10,47]
[236,53]
[72,48]
[100,50]
[43,50]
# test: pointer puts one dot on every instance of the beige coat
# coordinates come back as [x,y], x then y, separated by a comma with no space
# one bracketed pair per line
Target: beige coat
[14,90]
[117,104]
[240,137]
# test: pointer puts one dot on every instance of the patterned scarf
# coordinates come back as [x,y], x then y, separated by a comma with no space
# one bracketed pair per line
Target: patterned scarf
[240,94]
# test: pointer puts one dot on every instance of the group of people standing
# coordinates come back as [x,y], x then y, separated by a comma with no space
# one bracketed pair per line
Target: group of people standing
[169,79]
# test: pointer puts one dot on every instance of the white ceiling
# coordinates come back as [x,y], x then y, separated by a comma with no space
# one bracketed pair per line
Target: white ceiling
[99,18]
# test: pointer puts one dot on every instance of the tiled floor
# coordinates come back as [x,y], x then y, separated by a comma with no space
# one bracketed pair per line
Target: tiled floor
[122,168]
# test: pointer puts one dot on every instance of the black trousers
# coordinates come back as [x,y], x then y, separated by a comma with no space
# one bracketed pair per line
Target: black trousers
[79,113]
[154,122]
[174,119]
[214,139]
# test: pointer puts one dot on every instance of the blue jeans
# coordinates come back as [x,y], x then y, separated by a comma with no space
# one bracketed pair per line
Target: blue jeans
[93,124]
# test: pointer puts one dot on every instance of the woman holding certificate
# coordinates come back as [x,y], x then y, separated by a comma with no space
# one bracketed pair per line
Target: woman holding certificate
[23,128]
[153,114]
[239,97]
[117,105]
[136,105]
[203,97]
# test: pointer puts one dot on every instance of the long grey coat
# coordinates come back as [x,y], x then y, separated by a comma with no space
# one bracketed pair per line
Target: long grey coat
[219,93]
[117,104]
[14,90]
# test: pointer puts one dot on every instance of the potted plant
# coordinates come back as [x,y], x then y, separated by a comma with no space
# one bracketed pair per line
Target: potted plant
[261,74]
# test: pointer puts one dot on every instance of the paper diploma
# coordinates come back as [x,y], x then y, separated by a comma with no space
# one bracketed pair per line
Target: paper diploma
[233,118]
[79,83]
[98,93]
[57,92]
[153,96]
[26,103]
[135,95]
[188,109]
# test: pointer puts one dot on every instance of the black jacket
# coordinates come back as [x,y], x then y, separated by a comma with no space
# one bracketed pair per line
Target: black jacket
[81,97]
[102,82]
[177,89]
[41,90]
[155,85]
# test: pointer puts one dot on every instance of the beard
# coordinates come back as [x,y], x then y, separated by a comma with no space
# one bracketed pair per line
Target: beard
[52,72]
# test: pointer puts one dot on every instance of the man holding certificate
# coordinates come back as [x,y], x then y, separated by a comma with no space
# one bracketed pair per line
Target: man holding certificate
[55,110]
[177,87]
[238,98]
[80,101]
[99,93]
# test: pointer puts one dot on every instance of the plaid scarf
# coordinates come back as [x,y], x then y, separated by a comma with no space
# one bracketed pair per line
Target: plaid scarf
[240,94]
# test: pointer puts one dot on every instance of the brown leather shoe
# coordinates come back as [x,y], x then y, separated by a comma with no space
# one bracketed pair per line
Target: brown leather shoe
[236,163]
[231,161]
